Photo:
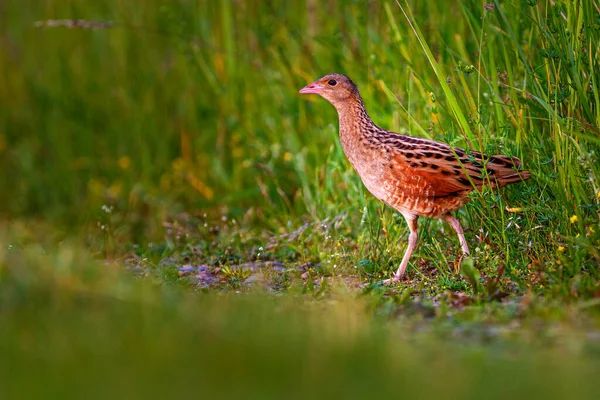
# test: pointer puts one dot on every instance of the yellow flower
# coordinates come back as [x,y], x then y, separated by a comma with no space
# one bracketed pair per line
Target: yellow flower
[287,156]
[574,219]
[124,162]
[598,194]
[237,152]
[561,249]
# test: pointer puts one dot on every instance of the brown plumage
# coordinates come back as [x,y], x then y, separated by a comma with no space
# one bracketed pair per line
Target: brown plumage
[418,177]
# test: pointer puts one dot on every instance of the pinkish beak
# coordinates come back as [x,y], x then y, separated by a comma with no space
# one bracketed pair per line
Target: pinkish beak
[313,88]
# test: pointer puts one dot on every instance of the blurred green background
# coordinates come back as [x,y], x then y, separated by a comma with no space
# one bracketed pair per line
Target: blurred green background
[138,136]
[196,102]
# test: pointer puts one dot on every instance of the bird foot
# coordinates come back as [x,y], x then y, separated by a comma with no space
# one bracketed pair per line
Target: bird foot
[393,280]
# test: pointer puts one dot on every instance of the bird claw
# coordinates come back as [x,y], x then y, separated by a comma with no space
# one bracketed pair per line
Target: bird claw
[392,280]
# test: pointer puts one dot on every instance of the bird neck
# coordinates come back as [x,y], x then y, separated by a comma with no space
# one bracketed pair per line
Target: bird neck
[355,123]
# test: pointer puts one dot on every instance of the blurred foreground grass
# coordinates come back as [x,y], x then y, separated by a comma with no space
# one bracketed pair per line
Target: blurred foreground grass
[73,328]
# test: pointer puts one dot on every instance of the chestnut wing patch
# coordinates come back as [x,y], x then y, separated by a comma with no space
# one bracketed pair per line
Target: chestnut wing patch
[428,176]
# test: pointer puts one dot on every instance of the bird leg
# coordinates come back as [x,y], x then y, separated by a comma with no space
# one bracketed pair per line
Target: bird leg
[461,236]
[411,220]
[459,231]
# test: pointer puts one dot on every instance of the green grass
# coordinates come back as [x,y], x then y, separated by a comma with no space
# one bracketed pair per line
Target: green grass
[175,137]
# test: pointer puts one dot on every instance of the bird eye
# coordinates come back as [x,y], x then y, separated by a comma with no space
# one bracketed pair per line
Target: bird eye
[332,82]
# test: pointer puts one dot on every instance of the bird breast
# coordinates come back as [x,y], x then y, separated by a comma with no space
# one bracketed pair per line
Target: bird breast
[369,162]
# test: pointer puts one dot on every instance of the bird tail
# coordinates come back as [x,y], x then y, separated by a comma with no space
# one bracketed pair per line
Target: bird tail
[506,170]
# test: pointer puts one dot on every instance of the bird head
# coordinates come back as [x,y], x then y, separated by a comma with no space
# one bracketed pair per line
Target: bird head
[338,89]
